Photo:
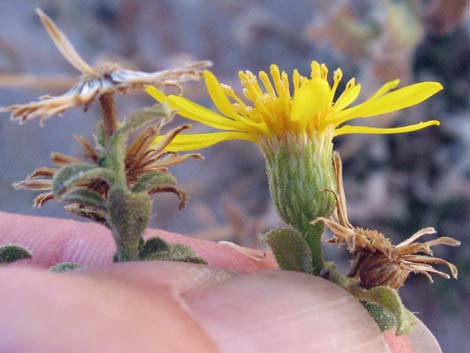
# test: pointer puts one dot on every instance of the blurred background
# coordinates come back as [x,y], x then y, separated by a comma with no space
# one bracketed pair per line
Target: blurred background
[396,184]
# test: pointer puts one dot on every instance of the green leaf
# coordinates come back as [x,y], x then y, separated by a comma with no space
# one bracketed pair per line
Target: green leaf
[159,249]
[152,180]
[85,197]
[89,212]
[67,172]
[152,247]
[72,175]
[382,317]
[184,253]
[389,299]
[65,267]
[12,252]
[290,249]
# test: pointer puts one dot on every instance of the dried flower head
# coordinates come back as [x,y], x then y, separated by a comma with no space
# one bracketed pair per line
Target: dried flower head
[95,81]
[376,261]
[143,158]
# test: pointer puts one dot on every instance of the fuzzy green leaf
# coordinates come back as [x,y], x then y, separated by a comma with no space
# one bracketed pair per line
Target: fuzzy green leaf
[389,299]
[184,253]
[95,214]
[67,172]
[290,249]
[65,267]
[153,180]
[12,252]
[85,197]
[153,246]
[382,317]
[159,249]
[75,174]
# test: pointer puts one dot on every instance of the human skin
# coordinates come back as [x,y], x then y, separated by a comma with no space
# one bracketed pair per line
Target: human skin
[236,304]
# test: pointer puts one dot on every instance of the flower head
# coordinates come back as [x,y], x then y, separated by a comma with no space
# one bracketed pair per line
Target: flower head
[279,107]
[376,261]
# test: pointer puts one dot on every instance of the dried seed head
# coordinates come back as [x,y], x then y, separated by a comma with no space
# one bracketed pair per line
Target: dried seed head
[95,81]
[142,157]
[142,160]
[376,261]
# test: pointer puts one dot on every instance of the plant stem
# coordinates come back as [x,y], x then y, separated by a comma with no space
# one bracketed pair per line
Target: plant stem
[126,249]
[312,234]
[108,110]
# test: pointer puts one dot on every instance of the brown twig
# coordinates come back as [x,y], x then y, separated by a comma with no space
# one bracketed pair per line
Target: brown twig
[108,110]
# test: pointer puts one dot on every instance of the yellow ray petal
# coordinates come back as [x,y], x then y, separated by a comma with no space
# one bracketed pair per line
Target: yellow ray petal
[347,98]
[402,98]
[192,142]
[386,87]
[311,98]
[197,112]
[156,94]
[351,129]
[244,123]
[218,96]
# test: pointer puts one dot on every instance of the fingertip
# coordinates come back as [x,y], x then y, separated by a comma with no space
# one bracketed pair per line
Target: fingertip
[54,240]
[281,311]
[77,312]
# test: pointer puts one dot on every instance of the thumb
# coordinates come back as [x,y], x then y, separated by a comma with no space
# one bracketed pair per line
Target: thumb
[280,311]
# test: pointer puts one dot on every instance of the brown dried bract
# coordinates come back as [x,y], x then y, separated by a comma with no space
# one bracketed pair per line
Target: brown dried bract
[377,262]
[95,81]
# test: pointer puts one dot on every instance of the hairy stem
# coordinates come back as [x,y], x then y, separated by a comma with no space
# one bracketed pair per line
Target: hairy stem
[126,250]
[312,234]
[108,110]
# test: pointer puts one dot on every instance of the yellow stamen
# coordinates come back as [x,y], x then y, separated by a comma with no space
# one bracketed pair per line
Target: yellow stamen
[337,76]
[263,76]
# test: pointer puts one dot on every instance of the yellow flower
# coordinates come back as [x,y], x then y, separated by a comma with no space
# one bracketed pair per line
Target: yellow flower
[305,107]
[294,123]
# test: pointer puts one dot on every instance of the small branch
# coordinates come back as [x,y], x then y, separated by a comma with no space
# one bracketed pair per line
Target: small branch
[108,110]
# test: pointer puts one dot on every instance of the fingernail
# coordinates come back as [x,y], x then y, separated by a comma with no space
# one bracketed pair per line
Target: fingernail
[280,311]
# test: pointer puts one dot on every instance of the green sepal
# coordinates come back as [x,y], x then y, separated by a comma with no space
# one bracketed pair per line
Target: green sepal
[159,249]
[65,267]
[152,180]
[388,299]
[13,252]
[290,249]
[72,175]
[85,197]
[382,317]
